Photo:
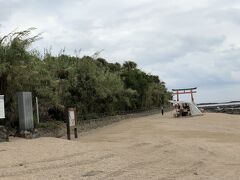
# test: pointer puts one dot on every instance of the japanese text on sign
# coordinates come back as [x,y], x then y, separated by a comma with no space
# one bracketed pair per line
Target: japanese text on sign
[71,115]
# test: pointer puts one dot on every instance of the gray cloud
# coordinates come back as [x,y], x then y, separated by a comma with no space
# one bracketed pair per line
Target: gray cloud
[186,43]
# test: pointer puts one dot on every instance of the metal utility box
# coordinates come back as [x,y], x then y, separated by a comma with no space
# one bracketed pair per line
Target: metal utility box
[25,110]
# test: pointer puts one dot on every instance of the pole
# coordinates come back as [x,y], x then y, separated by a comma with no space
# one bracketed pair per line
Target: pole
[177,96]
[75,132]
[37,110]
[68,130]
[75,128]
[192,96]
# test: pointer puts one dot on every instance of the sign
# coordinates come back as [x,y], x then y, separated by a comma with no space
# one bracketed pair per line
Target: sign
[72,123]
[72,119]
[2,109]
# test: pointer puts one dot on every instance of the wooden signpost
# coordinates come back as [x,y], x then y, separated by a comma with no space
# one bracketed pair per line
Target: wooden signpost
[72,123]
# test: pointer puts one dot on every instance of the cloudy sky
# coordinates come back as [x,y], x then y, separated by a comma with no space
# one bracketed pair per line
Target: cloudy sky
[186,42]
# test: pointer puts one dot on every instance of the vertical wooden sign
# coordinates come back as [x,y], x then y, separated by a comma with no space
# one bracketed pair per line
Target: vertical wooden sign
[72,123]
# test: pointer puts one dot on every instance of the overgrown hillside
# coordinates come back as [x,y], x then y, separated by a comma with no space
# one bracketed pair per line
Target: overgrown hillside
[93,86]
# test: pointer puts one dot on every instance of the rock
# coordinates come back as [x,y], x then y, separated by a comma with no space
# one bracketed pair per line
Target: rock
[29,134]
[3,134]
[21,164]
[35,135]
[26,133]
[12,132]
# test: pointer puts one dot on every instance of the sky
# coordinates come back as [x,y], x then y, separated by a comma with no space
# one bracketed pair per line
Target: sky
[187,43]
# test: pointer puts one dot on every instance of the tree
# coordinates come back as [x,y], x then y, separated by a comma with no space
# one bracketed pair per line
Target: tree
[92,85]
[16,68]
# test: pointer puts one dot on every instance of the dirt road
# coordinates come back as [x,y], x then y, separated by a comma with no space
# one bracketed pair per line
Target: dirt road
[151,147]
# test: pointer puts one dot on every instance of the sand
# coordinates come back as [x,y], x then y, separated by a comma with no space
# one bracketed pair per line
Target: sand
[150,147]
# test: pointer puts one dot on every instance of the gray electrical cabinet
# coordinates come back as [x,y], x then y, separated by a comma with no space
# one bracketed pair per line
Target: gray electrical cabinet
[25,110]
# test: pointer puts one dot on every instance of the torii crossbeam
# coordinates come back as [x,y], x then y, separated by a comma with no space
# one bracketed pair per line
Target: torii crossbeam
[184,91]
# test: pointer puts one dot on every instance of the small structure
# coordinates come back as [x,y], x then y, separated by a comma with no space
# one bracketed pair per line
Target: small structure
[25,111]
[183,108]
[184,91]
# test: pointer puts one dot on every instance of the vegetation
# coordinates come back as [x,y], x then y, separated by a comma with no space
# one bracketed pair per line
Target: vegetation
[92,85]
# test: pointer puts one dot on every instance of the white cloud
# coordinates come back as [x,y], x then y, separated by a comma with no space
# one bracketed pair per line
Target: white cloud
[187,43]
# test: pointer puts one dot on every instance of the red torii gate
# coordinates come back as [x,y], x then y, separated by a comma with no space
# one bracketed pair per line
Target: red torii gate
[184,91]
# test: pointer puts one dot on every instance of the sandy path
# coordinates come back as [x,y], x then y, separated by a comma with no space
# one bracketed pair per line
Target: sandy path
[151,147]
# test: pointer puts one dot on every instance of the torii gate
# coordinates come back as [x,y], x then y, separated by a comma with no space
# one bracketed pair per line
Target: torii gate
[184,91]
